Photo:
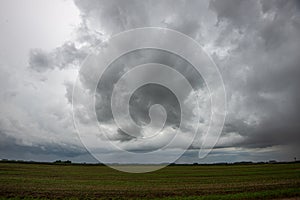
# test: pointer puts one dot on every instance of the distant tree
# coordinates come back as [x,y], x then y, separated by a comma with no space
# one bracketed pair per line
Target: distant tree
[62,162]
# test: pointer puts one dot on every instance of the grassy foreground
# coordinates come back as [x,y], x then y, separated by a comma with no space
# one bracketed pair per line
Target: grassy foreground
[42,181]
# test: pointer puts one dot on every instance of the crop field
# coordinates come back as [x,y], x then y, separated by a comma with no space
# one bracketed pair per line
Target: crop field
[49,181]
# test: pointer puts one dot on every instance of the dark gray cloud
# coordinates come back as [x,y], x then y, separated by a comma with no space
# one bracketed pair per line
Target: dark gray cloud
[144,97]
[152,93]
[259,66]
[67,55]
[40,60]
[14,148]
[254,43]
[262,71]
[111,17]
[239,12]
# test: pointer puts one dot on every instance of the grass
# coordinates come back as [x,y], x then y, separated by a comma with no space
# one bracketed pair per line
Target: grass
[42,181]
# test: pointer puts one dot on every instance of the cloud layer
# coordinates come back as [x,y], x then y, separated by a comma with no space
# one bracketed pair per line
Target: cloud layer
[255,44]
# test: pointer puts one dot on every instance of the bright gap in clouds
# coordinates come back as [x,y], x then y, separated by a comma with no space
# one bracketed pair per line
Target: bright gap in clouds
[38,24]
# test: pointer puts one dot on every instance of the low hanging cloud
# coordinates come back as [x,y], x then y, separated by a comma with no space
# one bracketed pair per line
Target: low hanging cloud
[261,70]
[255,45]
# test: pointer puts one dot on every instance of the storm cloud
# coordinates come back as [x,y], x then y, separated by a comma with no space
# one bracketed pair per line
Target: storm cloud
[255,45]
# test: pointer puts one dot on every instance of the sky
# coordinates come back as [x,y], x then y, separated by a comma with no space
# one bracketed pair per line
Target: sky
[254,44]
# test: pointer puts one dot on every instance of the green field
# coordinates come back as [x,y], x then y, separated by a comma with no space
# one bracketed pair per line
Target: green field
[259,181]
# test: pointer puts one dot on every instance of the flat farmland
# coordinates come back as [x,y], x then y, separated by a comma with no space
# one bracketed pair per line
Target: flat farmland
[49,181]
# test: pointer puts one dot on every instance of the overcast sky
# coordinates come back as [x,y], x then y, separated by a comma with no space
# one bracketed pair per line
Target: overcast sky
[255,45]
